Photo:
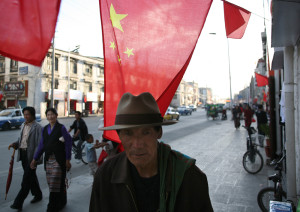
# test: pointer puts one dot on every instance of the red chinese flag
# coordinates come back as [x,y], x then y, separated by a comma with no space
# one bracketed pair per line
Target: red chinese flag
[147,48]
[236,20]
[261,80]
[26,28]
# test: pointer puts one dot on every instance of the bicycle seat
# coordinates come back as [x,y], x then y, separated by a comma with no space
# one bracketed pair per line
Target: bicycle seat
[275,177]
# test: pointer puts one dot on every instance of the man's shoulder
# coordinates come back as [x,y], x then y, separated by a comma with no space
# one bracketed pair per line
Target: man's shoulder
[109,165]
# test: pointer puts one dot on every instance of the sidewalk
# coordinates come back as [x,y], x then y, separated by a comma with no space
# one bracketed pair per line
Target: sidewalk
[79,194]
[218,150]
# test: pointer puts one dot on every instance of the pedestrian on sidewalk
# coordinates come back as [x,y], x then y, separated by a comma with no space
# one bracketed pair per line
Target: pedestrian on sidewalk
[80,131]
[148,175]
[56,143]
[248,115]
[91,152]
[262,120]
[26,145]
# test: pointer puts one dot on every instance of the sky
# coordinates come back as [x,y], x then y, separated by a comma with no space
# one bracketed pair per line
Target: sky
[79,24]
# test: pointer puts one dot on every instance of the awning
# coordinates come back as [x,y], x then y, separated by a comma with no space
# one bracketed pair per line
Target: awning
[285,23]
[278,61]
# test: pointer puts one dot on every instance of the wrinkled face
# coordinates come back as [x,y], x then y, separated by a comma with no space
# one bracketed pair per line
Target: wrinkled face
[27,116]
[51,117]
[140,145]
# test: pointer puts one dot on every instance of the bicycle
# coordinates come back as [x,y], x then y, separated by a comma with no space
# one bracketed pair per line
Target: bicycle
[83,153]
[275,193]
[252,159]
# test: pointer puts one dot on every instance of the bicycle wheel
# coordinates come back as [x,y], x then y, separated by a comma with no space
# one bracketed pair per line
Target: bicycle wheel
[253,161]
[83,154]
[264,197]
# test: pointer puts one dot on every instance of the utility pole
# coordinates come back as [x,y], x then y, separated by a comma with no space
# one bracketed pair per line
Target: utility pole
[52,82]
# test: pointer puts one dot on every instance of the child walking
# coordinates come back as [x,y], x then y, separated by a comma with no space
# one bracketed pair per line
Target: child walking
[91,152]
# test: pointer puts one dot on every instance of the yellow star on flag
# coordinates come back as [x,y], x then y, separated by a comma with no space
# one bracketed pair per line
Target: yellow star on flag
[116,18]
[112,45]
[119,59]
[128,52]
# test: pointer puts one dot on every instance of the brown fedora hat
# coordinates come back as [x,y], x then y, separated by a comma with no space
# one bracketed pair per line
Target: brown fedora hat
[137,111]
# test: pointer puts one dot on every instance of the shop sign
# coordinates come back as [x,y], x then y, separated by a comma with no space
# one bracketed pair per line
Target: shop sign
[57,95]
[75,95]
[23,70]
[13,88]
[92,97]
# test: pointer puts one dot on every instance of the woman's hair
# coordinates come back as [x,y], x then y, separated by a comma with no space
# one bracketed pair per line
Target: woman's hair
[31,110]
[52,110]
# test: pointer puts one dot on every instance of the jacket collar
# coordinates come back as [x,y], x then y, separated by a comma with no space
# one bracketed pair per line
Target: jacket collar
[121,172]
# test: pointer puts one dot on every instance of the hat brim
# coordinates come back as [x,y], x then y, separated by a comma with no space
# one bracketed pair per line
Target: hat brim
[120,127]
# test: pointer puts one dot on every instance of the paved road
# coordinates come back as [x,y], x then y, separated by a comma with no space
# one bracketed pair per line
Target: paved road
[216,145]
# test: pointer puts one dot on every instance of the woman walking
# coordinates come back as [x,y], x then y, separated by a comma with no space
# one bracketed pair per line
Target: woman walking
[56,143]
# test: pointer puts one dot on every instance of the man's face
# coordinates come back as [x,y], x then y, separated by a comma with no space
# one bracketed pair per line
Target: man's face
[140,145]
[77,116]
[27,116]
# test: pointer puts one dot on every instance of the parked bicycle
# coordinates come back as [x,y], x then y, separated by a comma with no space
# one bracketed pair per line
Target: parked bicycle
[83,153]
[252,159]
[275,193]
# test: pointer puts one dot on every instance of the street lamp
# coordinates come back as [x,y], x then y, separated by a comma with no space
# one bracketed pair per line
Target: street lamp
[213,33]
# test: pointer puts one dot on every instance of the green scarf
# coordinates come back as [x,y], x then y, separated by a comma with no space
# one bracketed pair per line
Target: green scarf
[180,163]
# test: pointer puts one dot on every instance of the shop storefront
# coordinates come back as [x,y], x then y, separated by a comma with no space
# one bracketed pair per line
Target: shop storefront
[91,103]
[75,100]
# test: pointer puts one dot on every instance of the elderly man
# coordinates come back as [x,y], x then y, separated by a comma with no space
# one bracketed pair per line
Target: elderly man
[148,175]
[27,145]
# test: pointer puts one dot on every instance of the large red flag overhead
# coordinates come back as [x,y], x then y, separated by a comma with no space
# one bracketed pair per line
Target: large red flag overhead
[261,80]
[236,20]
[26,28]
[147,47]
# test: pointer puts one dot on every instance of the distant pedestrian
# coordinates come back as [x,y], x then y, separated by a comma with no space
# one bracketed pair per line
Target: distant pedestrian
[248,115]
[236,115]
[56,143]
[91,152]
[26,145]
[262,120]
[80,131]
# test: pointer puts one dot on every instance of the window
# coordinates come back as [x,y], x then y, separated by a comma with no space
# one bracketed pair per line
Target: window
[102,70]
[13,79]
[74,66]
[2,64]
[90,87]
[56,64]
[56,83]
[73,85]
[88,70]
[1,82]
[13,66]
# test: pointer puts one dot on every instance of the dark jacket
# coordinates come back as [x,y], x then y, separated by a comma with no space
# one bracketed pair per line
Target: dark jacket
[113,188]
[52,145]
[261,117]
[82,127]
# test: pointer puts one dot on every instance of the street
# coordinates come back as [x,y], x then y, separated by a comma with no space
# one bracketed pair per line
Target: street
[215,144]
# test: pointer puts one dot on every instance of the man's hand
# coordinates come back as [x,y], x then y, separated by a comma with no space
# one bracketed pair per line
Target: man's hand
[13,145]
[68,165]
[102,144]
[33,164]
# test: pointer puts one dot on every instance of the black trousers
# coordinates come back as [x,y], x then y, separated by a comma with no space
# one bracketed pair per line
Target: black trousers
[29,182]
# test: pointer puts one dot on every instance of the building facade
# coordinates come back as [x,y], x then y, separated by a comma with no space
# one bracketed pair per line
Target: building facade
[83,84]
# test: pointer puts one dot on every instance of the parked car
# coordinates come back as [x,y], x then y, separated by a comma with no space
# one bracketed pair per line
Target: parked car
[13,118]
[193,107]
[184,110]
[171,114]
